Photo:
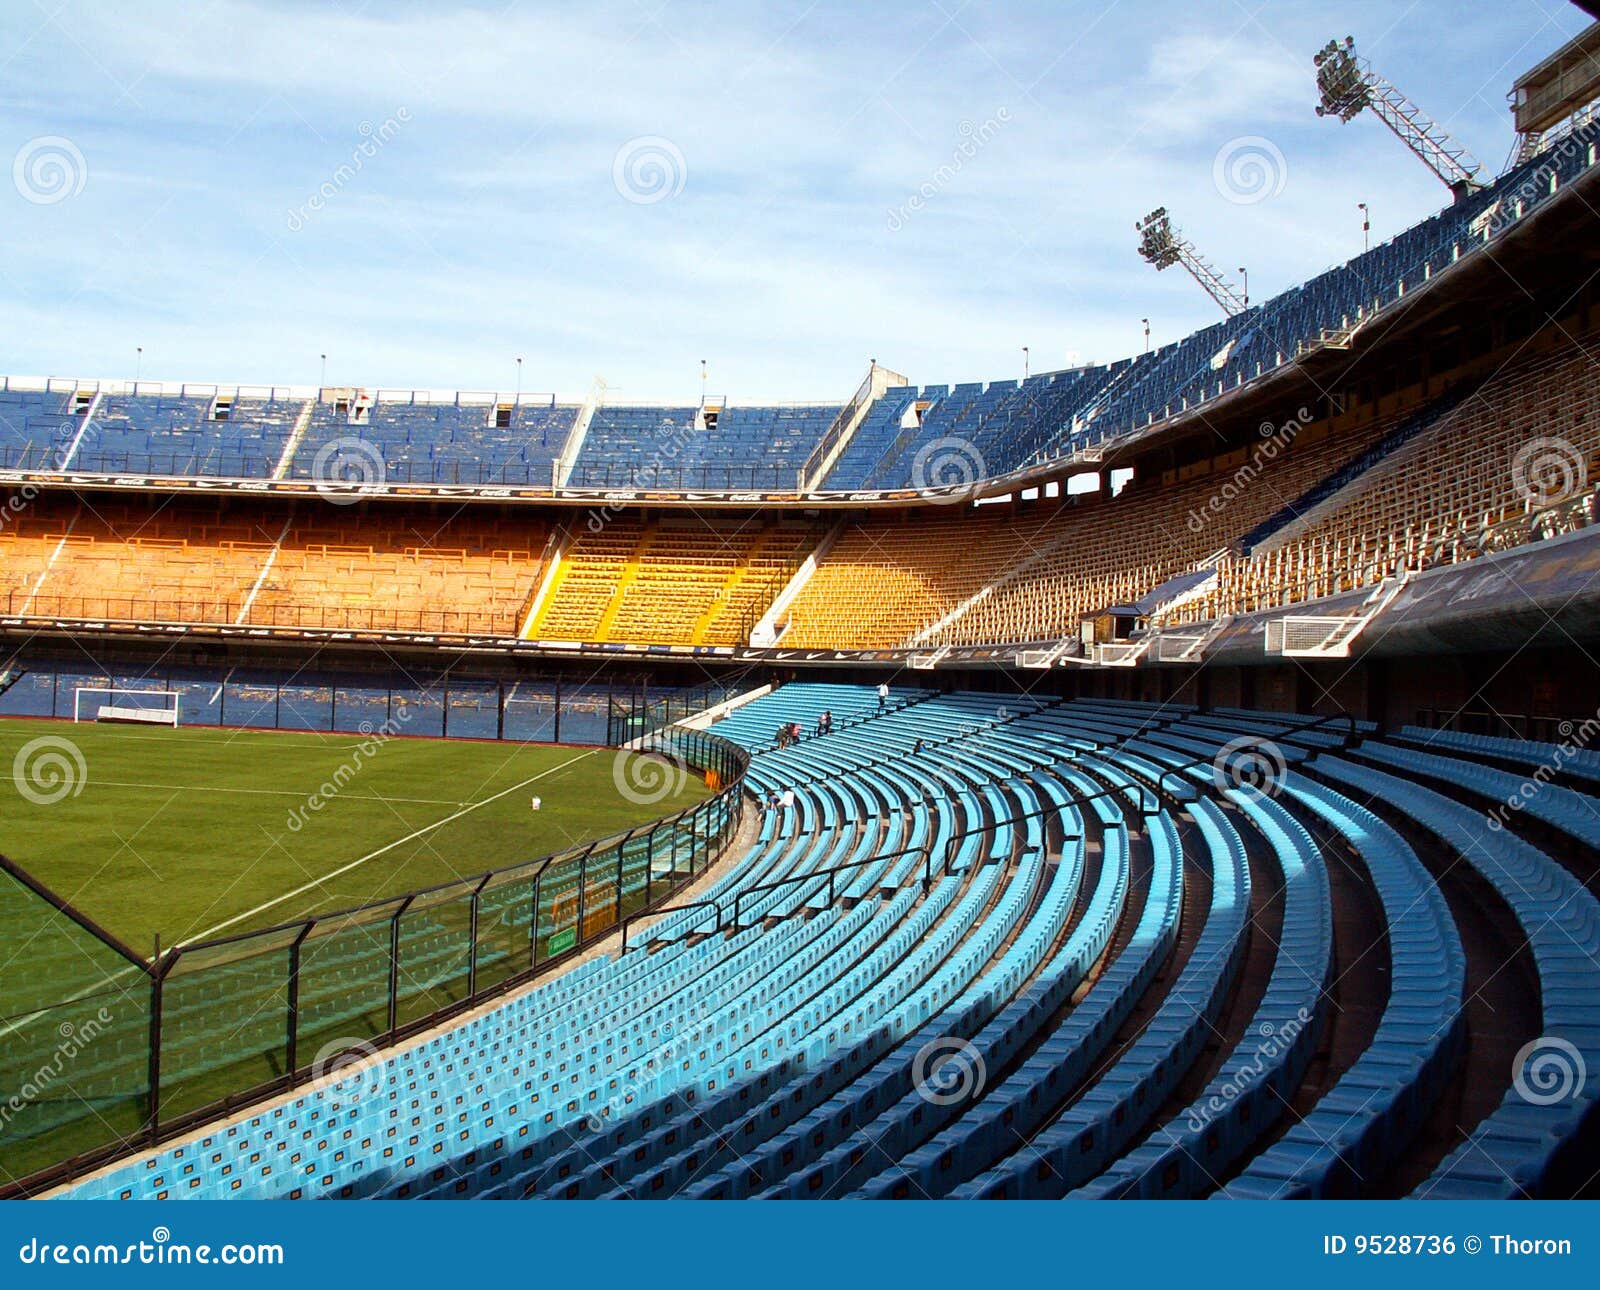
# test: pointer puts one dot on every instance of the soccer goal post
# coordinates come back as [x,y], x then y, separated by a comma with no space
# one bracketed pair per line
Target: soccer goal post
[139,707]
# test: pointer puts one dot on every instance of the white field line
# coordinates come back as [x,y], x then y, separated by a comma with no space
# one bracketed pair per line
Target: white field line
[240,734]
[383,850]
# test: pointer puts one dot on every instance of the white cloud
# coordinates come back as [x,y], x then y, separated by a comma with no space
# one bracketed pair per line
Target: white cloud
[489,227]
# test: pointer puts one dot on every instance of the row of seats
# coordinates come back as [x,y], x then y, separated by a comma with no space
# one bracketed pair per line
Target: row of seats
[700,580]
[216,562]
[991,575]
[401,442]
[253,437]
[1006,946]
[728,447]
[1527,437]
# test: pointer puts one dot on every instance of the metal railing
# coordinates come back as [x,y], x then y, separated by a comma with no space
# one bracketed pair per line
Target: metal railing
[835,431]
[1535,727]
[221,465]
[227,612]
[656,477]
[649,476]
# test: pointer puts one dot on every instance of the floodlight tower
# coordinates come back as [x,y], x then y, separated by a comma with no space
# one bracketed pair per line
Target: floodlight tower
[1348,85]
[1163,246]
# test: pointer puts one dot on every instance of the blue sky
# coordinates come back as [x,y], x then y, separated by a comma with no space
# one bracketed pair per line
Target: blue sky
[219,220]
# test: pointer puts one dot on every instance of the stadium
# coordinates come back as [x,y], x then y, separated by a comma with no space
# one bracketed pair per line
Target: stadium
[1174,776]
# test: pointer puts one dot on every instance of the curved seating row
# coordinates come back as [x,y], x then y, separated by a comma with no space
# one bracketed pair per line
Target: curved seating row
[1509,1153]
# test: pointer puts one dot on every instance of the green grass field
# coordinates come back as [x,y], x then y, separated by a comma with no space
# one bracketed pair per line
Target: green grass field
[198,832]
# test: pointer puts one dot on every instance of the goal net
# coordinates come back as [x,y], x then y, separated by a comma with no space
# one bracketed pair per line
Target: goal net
[138,707]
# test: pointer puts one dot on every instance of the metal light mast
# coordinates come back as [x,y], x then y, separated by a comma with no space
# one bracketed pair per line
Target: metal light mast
[1348,85]
[1163,246]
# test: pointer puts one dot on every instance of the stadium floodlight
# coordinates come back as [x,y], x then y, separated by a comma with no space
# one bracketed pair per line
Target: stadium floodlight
[1340,81]
[1366,227]
[1163,245]
[1348,86]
